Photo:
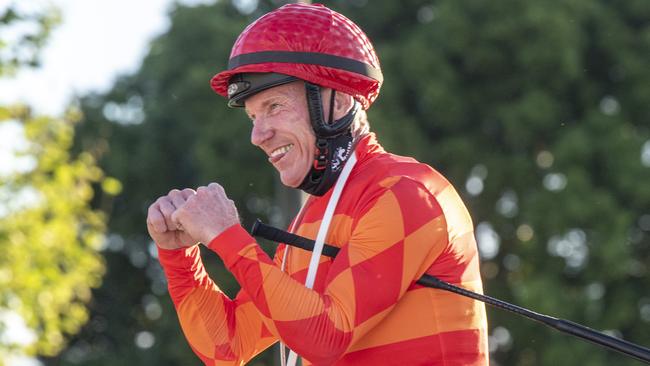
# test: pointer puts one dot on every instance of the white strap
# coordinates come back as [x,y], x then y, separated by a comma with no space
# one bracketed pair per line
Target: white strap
[322,233]
[283,352]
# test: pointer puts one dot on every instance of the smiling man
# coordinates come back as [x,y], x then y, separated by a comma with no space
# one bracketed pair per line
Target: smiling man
[279,115]
[305,76]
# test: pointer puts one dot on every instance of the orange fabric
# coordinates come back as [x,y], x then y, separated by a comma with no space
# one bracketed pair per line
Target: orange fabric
[396,220]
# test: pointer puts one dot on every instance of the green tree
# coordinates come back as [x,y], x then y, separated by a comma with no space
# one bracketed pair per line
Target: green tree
[536,111]
[49,236]
[30,32]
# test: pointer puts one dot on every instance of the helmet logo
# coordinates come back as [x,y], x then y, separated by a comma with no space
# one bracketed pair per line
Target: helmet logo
[232,89]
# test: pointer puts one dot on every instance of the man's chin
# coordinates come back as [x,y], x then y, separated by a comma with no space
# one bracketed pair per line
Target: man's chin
[288,182]
[291,182]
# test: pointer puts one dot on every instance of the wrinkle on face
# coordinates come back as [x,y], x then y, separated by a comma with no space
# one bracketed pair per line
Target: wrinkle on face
[280,118]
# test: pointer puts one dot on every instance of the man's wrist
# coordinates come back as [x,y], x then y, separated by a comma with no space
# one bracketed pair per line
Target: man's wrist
[172,247]
[210,234]
[229,244]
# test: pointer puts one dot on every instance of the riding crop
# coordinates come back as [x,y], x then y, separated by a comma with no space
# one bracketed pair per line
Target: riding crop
[630,349]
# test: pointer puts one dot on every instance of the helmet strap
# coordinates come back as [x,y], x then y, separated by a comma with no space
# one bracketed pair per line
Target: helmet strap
[333,142]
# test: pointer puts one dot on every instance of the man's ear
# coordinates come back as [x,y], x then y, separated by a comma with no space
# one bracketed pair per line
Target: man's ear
[342,104]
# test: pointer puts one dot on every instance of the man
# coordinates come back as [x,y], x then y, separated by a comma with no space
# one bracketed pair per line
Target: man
[305,75]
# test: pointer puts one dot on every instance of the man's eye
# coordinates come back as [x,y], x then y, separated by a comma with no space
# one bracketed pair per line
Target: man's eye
[274,106]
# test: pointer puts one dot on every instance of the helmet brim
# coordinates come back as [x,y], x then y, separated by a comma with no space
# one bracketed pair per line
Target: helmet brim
[244,85]
[358,86]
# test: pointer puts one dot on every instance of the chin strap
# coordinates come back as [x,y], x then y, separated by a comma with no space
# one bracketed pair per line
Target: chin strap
[333,142]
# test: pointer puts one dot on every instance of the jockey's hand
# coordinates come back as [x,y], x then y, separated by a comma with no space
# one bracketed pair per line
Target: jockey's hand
[164,232]
[206,214]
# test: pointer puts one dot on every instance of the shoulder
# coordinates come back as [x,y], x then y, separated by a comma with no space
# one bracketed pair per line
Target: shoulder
[397,184]
[387,171]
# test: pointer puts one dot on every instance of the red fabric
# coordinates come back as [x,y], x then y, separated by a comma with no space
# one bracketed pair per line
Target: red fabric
[461,351]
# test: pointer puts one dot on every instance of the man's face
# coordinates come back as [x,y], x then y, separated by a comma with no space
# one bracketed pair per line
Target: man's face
[281,128]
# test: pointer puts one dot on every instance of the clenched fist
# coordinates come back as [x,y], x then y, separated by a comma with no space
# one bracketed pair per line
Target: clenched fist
[184,218]
[206,214]
[166,233]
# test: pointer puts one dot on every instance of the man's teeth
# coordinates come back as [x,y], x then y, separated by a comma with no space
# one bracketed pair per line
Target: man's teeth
[281,150]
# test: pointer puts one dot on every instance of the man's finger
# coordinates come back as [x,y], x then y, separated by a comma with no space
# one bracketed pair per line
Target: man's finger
[177,198]
[167,210]
[216,187]
[155,219]
[176,221]
[187,193]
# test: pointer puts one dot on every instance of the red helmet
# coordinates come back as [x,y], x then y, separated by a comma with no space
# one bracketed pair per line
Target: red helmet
[309,42]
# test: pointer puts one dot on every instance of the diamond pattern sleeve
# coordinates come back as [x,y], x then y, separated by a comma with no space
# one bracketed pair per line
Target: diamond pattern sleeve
[219,330]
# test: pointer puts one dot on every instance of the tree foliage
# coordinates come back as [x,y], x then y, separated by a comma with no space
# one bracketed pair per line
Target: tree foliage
[49,236]
[30,30]
[536,111]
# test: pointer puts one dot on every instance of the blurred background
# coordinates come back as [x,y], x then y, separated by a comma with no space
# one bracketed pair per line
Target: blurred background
[537,111]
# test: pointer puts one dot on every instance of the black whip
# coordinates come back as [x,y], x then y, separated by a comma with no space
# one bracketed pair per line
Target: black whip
[620,345]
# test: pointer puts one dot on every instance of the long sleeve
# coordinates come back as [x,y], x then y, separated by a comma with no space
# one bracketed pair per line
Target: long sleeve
[395,236]
[219,330]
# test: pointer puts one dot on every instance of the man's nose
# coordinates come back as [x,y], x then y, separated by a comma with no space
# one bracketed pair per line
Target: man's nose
[261,132]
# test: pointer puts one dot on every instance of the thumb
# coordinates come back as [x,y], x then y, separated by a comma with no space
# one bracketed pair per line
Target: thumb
[177,219]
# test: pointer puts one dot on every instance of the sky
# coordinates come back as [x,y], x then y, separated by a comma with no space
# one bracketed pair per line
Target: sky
[97,41]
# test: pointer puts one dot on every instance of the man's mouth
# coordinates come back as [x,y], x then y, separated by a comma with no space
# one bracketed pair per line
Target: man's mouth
[278,153]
